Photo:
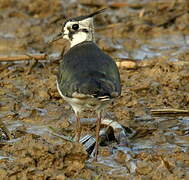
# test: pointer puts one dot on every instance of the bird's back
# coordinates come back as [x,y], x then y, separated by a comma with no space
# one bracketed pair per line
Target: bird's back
[86,69]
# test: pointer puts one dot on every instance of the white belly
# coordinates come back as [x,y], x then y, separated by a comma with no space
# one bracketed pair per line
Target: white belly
[82,104]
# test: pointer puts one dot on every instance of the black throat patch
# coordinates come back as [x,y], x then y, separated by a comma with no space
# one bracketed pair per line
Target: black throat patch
[70,34]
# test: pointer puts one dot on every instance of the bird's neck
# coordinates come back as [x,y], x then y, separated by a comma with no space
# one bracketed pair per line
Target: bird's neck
[81,37]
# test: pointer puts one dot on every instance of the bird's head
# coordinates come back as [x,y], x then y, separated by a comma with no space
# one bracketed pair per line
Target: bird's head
[79,29]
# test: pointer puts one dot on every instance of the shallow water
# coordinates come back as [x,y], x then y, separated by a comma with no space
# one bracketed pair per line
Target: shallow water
[171,133]
[40,121]
[166,45]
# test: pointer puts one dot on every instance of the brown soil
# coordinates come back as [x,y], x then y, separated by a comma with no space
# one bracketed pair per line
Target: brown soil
[31,108]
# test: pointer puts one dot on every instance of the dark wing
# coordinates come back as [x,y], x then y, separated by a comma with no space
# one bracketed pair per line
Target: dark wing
[87,70]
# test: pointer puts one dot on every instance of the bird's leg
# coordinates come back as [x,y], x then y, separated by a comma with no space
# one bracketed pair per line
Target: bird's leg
[78,127]
[97,134]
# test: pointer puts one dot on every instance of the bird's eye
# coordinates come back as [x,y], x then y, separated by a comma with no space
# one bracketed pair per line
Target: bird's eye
[75,27]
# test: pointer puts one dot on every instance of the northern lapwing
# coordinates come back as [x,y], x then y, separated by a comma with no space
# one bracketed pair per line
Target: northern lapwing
[88,78]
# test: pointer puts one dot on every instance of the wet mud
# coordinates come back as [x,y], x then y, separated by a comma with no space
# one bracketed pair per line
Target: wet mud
[155,33]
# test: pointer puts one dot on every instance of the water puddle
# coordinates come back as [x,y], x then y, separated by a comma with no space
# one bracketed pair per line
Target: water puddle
[164,139]
[167,45]
[42,123]
[171,133]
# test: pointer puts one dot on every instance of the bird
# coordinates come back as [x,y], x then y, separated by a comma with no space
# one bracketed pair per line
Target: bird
[88,78]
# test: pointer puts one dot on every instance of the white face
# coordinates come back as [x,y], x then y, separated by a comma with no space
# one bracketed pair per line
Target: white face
[79,31]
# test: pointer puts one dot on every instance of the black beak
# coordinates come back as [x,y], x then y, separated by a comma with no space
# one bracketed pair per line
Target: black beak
[56,38]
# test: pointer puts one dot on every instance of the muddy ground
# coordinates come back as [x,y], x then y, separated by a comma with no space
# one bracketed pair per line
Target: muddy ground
[154,32]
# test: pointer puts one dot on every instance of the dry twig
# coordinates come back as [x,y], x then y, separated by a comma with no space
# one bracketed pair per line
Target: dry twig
[169,111]
[23,57]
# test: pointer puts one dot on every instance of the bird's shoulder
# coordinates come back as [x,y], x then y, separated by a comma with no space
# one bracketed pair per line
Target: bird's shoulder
[88,50]
[88,55]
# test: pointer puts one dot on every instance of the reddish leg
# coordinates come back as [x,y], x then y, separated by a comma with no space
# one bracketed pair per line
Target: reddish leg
[97,134]
[78,127]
